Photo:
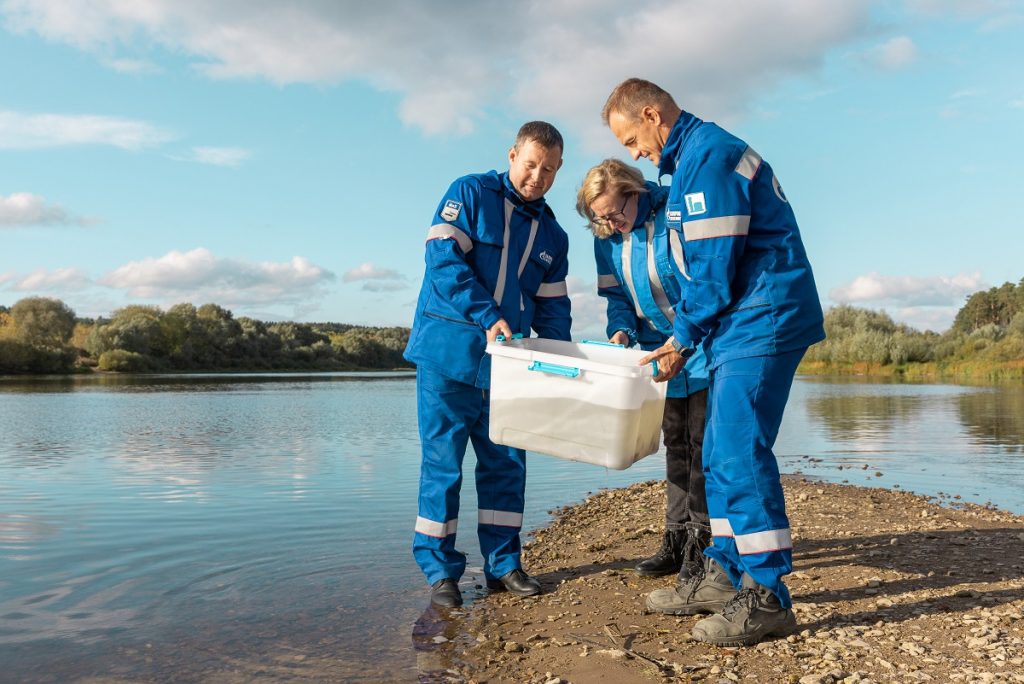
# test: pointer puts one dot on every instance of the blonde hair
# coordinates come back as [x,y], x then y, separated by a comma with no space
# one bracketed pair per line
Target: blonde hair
[611,175]
[632,95]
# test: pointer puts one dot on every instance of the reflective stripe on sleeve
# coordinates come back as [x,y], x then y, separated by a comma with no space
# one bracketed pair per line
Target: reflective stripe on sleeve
[749,163]
[558,289]
[722,226]
[432,528]
[763,542]
[501,518]
[604,281]
[444,231]
[720,527]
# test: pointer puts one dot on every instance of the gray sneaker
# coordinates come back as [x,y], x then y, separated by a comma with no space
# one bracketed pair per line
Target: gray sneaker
[706,591]
[752,615]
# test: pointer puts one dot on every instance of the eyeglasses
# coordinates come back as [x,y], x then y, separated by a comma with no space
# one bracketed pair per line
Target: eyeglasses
[619,215]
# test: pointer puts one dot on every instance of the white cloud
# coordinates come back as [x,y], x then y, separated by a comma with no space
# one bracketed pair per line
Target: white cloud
[895,53]
[375,278]
[217,156]
[1017,104]
[875,289]
[42,280]
[369,271]
[387,286]
[26,209]
[937,318]
[24,131]
[450,61]
[199,275]
[133,66]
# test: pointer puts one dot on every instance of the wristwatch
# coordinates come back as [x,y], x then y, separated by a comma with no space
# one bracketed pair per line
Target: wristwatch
[681,349]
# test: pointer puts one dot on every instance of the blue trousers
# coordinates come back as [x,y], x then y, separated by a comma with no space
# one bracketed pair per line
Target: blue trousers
[451,414]
[748,512]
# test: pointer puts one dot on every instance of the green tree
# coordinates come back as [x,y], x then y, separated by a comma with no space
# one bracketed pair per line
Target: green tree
[43,322]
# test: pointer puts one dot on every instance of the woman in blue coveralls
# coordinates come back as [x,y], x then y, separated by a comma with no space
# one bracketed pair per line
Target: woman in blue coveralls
[639,264]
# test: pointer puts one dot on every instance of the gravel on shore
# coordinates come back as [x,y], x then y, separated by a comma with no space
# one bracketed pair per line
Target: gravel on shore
[888,587]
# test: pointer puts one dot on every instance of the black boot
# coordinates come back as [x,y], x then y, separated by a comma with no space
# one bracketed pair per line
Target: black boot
[697,539]
[669,557]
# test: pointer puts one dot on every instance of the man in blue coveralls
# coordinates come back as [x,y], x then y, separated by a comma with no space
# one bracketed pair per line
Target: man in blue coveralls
[496,262]
[750,297]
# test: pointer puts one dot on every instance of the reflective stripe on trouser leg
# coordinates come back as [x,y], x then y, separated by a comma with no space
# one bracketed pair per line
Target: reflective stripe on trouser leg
[446,409]
[500,491]
[747,400]
[723,548]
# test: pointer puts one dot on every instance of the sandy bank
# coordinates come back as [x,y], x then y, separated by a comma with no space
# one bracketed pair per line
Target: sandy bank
[888,586]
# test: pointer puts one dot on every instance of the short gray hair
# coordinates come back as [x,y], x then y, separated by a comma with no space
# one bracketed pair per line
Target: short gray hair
[632,95]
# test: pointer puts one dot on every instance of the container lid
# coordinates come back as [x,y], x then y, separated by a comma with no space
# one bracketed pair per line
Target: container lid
[598,357]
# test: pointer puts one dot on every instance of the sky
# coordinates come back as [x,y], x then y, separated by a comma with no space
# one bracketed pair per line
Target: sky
[285,159]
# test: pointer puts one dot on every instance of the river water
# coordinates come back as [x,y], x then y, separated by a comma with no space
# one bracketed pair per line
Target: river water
[258,527]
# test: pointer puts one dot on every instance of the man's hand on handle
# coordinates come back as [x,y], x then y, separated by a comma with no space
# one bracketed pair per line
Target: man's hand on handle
[499,328]
[620,337]
[670,362]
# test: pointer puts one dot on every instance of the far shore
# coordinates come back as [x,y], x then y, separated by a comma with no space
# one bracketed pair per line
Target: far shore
[888,586]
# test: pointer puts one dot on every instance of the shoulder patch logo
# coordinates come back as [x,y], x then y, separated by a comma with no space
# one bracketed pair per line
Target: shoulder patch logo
[695,203]
[545,257]
[451,210]
[674,215]
[777,187]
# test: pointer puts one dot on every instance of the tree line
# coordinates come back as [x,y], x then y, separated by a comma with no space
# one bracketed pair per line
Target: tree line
[43,335]
[986,339]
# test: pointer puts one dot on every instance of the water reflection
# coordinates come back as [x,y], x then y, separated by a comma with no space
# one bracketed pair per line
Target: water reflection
[855,417]
[261,524]
[994,417]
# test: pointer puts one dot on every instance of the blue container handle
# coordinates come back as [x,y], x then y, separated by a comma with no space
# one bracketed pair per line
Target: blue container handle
[604,344]
[654,365]
[554,369]
[515,336]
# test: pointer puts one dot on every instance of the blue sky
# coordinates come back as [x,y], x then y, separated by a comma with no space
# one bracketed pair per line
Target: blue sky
[284,159]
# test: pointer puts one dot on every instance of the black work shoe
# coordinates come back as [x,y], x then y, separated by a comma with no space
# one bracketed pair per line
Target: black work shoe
[445,593]
[669,557]
[517,582]
[697,539]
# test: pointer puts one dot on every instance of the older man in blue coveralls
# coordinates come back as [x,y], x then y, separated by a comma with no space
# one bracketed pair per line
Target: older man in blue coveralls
[496,262]
[751,299]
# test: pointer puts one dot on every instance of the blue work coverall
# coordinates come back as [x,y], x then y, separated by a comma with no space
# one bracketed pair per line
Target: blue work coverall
[751,300]
[489,255]
[638,273]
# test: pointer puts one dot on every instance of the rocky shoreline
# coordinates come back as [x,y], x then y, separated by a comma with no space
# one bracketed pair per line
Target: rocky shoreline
[888,586]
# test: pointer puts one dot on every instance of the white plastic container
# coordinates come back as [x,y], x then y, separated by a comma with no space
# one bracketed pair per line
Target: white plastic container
[587,402]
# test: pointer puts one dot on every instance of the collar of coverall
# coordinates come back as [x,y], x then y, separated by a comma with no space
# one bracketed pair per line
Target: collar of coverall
[534,208]
[673,146]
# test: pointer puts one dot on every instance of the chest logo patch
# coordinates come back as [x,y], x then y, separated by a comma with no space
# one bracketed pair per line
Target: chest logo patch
[695,203]
[451,210]
[545,257]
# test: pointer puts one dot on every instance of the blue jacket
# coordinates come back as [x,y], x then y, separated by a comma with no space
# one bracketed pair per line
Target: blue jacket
[639,275]
[750,290]
[489,255]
